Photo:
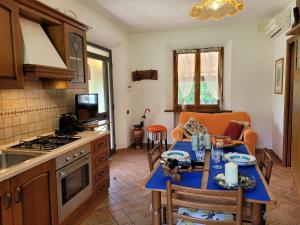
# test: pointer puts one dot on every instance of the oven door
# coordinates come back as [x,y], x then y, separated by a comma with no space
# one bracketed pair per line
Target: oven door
[74,186]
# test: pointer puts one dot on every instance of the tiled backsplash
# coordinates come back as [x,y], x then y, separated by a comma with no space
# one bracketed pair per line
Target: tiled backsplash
[32,111]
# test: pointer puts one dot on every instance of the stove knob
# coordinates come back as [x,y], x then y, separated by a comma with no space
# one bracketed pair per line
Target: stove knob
[82,152]
[75,155]
[68,159]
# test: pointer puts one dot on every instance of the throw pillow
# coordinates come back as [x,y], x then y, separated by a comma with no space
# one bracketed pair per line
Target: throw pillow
[193,126]
[246,126]
[234,130]
[203,214]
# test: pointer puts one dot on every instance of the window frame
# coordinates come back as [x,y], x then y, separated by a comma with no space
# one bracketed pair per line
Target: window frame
[197,106]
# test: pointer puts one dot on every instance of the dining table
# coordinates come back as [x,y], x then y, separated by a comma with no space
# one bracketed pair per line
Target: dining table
[255,199]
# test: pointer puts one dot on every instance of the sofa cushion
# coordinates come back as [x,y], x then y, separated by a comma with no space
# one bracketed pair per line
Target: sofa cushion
[192,126]
[234,130]
[245,124]
[203,214]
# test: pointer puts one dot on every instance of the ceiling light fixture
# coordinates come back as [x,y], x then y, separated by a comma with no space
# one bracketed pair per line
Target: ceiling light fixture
[216,9]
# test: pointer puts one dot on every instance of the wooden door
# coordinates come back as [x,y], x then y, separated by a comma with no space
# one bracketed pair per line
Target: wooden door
[6,204]
[76,55]
[34,196]
[11,68]
[295,140]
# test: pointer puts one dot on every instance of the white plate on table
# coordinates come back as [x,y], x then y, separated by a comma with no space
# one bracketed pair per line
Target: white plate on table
[240,159]
[175,154]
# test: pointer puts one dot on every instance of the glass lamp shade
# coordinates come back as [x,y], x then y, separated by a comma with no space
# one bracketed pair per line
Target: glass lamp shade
[216,9]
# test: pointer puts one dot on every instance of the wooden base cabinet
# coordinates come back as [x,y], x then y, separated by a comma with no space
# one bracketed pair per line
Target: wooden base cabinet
[33,197]
[100,181]
[6,216]
[100,167]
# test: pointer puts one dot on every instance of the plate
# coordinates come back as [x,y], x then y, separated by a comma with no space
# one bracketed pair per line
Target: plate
[175,154]
[240,159]
[246,182]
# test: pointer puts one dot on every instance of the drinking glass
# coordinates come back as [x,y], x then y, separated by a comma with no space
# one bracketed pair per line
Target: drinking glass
[195,142]
[200,155]
[216,155]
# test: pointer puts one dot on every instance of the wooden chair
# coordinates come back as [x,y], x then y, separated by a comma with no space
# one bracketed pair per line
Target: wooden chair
[266,165]
[154,155]
[230,202]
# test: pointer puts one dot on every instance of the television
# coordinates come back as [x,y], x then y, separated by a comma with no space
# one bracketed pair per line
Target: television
[86,107]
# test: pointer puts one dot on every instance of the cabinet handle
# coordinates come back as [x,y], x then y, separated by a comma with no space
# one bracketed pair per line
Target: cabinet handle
[8,200]
[101,173]
[99,145]
[102,159]
[19,194]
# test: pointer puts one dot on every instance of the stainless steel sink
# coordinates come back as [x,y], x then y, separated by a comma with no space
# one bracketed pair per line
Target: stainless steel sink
[12,158]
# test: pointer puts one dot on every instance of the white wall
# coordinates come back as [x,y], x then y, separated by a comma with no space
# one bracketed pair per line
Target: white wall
[278,100]
[248,68]
[112,36]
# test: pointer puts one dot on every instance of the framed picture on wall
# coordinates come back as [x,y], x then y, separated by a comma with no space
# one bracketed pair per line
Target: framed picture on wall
[279,66]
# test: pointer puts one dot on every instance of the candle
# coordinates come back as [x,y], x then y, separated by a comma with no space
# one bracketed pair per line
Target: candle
[231,173]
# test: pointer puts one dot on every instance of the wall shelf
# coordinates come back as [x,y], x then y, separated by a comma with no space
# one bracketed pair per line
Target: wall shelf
[294,31]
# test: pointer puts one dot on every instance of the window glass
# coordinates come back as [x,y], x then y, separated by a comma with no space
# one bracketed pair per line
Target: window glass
[209,89]
[186,78]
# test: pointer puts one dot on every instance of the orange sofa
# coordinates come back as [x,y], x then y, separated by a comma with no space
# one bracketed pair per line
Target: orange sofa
[216,125]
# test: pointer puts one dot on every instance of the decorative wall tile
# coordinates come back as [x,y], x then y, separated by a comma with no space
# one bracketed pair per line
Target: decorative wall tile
[33,111]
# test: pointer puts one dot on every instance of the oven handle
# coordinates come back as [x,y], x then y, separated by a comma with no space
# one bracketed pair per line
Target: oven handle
[65,171]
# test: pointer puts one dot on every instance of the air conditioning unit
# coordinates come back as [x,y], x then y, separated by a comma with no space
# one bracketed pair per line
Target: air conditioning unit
[280,23]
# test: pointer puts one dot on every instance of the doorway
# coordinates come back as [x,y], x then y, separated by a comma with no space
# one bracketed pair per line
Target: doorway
[289,101]
[101,82]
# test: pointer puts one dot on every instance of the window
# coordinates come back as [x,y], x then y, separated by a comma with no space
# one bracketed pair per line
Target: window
[198,79]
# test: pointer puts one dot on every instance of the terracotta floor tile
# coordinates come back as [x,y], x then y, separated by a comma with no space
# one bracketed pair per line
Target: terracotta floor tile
[129,203]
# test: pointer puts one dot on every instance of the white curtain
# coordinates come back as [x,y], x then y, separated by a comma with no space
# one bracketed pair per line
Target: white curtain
[186,74]
[210,73]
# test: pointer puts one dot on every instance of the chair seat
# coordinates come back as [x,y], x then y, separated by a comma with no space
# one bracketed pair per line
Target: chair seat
[203,214]
[156,128]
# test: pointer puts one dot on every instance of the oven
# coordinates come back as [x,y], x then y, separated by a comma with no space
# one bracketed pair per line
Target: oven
[74,180]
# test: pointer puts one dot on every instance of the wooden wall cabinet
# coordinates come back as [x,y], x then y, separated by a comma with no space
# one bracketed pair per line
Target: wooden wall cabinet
[76,55]
[11,59]
[33,197]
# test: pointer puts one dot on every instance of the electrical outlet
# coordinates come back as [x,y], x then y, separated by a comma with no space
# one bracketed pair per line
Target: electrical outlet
[127,112]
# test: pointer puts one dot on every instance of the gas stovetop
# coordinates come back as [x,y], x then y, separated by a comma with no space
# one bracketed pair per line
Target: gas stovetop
[46,143]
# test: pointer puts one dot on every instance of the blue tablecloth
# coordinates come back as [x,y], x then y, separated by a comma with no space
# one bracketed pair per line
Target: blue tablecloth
[158,180]
[193,180]
[259,193]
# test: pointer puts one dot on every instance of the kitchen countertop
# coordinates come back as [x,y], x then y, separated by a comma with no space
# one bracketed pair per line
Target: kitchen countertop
[86,137]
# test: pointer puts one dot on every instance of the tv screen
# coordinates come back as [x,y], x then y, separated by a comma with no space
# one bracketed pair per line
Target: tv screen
[86,107]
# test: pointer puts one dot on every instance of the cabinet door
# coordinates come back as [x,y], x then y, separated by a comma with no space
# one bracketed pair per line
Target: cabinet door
[34,196]
[6,204]
[11,68]
[76,55]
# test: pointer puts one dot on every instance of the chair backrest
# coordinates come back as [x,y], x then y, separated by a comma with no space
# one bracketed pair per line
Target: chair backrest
[266,165]
[208,200]
[154,155]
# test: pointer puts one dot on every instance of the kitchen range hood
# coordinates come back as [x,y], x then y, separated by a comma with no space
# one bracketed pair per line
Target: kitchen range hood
[41,59]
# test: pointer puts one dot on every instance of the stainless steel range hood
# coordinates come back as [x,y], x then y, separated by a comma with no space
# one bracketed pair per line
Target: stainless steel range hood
[41,60]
